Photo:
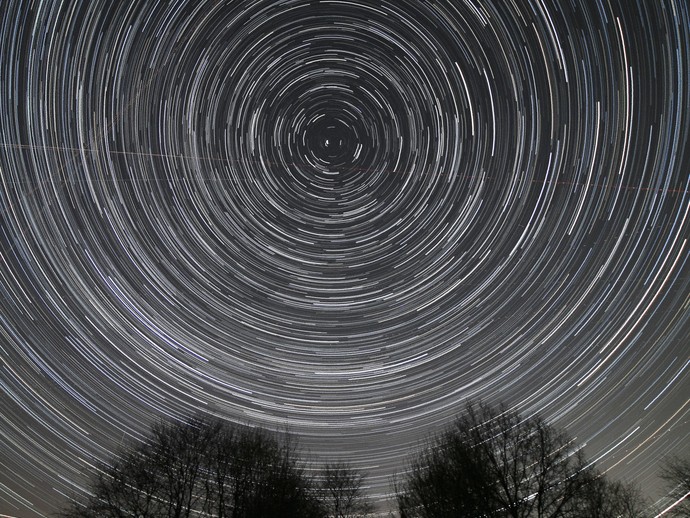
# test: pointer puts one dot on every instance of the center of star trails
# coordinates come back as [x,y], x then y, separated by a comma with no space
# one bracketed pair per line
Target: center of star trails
[332,142]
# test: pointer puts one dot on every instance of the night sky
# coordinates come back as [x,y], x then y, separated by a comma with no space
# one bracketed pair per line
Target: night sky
[341,217]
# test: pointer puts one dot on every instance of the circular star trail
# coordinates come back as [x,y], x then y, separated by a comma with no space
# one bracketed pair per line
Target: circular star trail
[341,217]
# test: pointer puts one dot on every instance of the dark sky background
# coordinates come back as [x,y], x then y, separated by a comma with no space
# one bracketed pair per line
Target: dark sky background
[346,218]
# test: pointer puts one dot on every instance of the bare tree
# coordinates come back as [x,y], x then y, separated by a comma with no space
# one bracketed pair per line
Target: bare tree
[201,468]
[493,462]
[180,453]
[675,472]
[126,487]
[604,498]
[275,482]
[241,465]
[444,480]
[342,492]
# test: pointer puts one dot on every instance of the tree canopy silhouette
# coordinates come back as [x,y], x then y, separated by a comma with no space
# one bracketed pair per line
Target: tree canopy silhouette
[675,472]
[342,491]
[209,468]
[492,462]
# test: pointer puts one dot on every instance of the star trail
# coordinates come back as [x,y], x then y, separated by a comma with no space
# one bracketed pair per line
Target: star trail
[341,217]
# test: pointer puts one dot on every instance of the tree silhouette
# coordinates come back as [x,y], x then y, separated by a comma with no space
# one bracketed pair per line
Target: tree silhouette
[492,462]
[604,498]
[342,493]
[675,472]
[201,468]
